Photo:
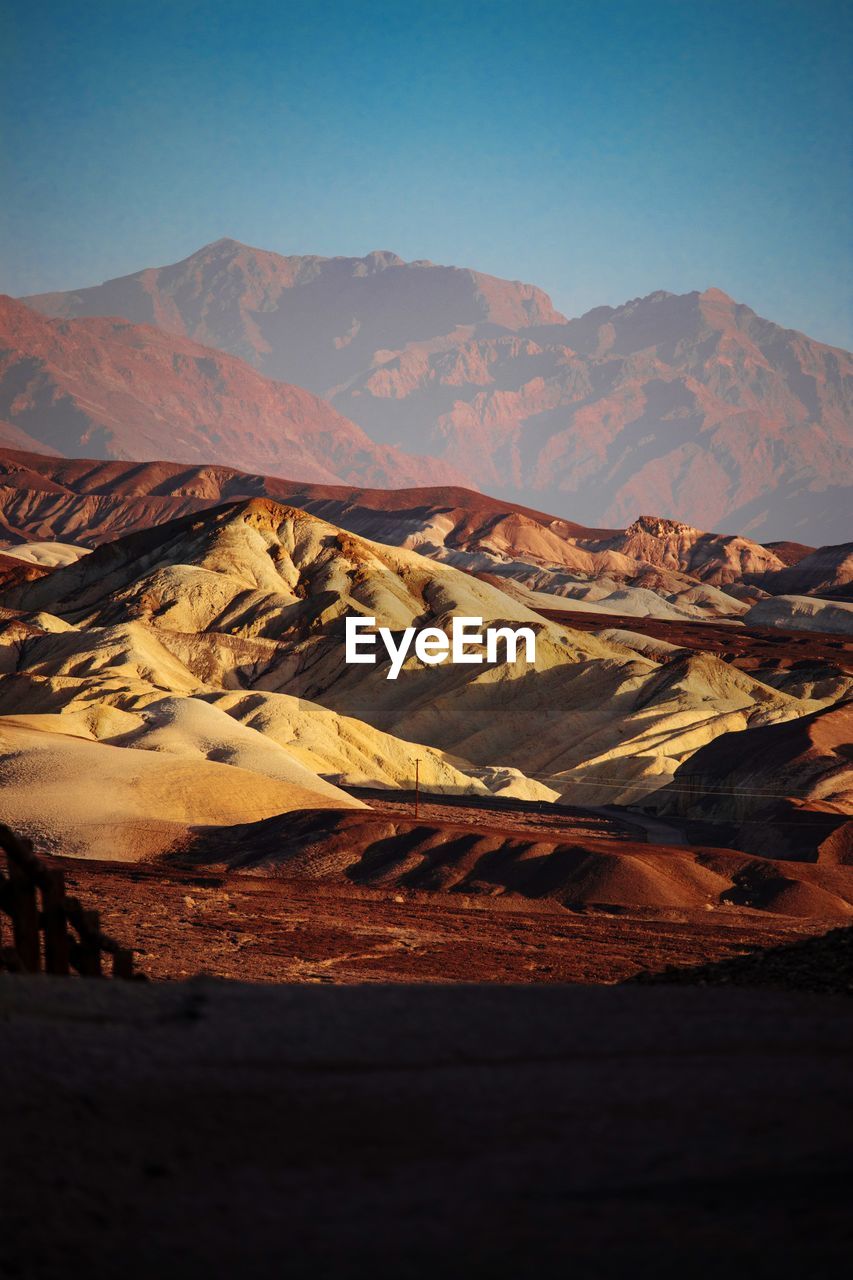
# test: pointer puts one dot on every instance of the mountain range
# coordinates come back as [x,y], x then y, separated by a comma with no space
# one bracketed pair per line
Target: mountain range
[690,406]
[107,388]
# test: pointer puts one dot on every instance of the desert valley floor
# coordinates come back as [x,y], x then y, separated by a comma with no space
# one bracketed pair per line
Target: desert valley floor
[264,928]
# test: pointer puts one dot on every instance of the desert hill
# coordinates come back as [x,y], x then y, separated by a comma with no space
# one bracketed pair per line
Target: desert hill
[787,788]
[803,613]
[252,596]
[826,572]
[659,567]
[690,405]
[81,797]
[386,851]
[109,389]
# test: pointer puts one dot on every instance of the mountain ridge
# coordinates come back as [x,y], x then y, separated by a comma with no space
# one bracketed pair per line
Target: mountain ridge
[691,404]
[107,387]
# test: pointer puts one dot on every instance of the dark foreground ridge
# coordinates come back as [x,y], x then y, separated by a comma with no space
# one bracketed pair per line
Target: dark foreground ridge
[823,964]
[211,1129]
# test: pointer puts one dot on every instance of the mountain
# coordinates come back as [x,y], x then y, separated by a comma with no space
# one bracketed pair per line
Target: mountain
[109,389]
[12,437]
[689,405]
[310,320]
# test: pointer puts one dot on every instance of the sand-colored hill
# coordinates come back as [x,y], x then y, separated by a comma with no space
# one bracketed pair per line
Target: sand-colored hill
[786,788]
[77,796]
[803,613]
[605,595]
[253,597]
[50,555]
[121,686]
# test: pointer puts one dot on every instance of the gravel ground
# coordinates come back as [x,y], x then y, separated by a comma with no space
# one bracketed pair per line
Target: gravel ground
[823,964]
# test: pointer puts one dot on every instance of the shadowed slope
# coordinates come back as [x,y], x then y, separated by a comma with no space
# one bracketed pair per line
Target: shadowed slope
[387,851]
[786,788]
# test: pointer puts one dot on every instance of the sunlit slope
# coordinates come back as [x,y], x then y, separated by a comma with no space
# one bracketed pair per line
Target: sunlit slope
[252,597]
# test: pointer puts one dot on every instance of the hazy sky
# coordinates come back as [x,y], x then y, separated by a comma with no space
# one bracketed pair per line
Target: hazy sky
[601,149]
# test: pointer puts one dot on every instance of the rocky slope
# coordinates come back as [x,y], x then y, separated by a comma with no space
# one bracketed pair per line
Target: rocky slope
[689,405]
[786,788]
[105,388]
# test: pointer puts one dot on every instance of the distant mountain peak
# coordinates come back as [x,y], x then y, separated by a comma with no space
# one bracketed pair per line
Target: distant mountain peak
[715,295]
[384,258]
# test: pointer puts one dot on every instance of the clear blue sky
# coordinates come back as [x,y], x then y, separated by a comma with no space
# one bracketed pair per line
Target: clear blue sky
[600,149]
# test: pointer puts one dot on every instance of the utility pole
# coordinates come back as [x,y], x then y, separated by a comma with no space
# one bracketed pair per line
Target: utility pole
[417,786]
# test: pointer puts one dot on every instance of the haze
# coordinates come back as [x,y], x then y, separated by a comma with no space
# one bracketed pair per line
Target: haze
[600,151]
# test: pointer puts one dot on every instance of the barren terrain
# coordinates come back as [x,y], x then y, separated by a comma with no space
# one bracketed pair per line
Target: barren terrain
[263,929]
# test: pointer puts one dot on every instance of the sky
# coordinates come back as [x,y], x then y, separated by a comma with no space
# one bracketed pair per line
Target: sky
[602,150]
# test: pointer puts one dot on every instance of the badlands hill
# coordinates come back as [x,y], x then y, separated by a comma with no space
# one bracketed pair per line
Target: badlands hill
[803,613]
[827,572]
[243,608]
[655,567]
[385,851]
[691,405]
[786,788]
[105,388]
